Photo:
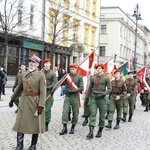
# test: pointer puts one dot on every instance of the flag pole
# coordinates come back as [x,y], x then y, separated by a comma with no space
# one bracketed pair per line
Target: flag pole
[111,59]
[124,63]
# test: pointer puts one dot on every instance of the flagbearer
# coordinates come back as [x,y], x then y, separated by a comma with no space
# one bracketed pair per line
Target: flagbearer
[116,97]
[50,82]
[130,83]
[98,89]
[73,88]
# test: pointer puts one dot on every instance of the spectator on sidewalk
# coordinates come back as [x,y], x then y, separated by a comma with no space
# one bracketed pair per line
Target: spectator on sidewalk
[4,79]
[1,81]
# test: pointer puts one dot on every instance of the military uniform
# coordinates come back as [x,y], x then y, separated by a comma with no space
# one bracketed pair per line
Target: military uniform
[97,92]
[131,88]
[30,117]
[118,89]
[50,82]
[146,95]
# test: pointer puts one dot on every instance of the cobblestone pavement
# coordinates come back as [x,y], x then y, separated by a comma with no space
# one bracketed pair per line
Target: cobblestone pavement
[130,136]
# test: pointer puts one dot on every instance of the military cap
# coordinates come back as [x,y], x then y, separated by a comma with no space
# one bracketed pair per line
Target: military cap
[73,66]
[117,71]
[22,64]
[100,65]
[131,72]
[46,60]
[35,58]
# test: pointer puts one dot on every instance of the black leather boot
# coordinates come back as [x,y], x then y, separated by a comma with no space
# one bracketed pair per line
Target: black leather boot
[117,125]
[130,118]
[20,137]
[146,109]
[46,126]
[33,142]
[124,117]
[72,129]
[90,135]
[99,133]
[85,121]
[109,125]
[64,130]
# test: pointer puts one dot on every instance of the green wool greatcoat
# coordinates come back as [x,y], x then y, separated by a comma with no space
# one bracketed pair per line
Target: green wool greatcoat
[26,121]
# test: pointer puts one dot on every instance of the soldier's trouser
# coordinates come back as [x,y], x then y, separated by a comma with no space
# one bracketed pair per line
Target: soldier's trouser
[94,105]
[86,109]
[147,101]
[48,106]
[107,103]
[125,106]
[115,104]
[70,100]
[131,101]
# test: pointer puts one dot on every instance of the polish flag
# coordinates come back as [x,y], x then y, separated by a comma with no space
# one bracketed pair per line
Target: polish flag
[86,69]
[74,87]
[109,65]
[142,74]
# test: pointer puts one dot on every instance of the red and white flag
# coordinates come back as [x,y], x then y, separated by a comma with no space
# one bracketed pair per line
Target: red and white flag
[74,87]
[109,65]
[86,69]
[142,74]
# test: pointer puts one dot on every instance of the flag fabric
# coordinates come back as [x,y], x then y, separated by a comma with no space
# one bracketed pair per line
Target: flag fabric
[126,67]
[109,65]
[142,74]
[86,69]
[74,87]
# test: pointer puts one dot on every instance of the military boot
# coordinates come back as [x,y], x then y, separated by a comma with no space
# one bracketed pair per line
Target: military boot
[33,142]
[64,130]
[90,135]
[109,125]
[146,109]
[20,137]
[85,121]
[130,118]
[46,126]
[124,117]
[72,129]
[99,133]
[117,125]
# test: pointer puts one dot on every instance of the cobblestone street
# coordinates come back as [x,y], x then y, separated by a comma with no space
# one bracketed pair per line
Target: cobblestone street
[131,136]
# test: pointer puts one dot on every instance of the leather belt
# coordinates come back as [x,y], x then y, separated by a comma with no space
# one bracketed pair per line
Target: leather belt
[31,93]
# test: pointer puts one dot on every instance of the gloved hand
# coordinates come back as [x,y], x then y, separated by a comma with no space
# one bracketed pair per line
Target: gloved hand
[86,101]
[40,110]
[70,91]
[99,96]
[13,89]
[11,103]
[52,91]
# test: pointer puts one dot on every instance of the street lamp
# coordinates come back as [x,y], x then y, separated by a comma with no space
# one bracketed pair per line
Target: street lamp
[137,16]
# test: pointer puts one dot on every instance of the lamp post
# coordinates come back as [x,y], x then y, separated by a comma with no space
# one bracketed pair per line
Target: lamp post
[137,16]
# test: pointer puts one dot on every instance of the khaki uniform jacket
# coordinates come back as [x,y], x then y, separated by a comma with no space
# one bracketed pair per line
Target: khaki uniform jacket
[131,86]
[104,85]
[26,121]
[17,80]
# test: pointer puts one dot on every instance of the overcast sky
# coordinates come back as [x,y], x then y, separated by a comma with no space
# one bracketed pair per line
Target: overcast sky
[128,6]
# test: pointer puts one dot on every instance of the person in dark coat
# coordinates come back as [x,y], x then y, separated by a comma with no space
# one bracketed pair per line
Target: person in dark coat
[1,81]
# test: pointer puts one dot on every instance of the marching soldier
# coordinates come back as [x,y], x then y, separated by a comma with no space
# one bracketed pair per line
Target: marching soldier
[99,87]
[146,94]
[17,80]
[50,82]
[130,83]
[30,117]
[71,99]
[116,97]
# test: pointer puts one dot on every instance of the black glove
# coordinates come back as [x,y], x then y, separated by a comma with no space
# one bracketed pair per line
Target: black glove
[86,101]
[40,110]
[13,89]
[99,96]
[52,91]
[70,91]
[11,103]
